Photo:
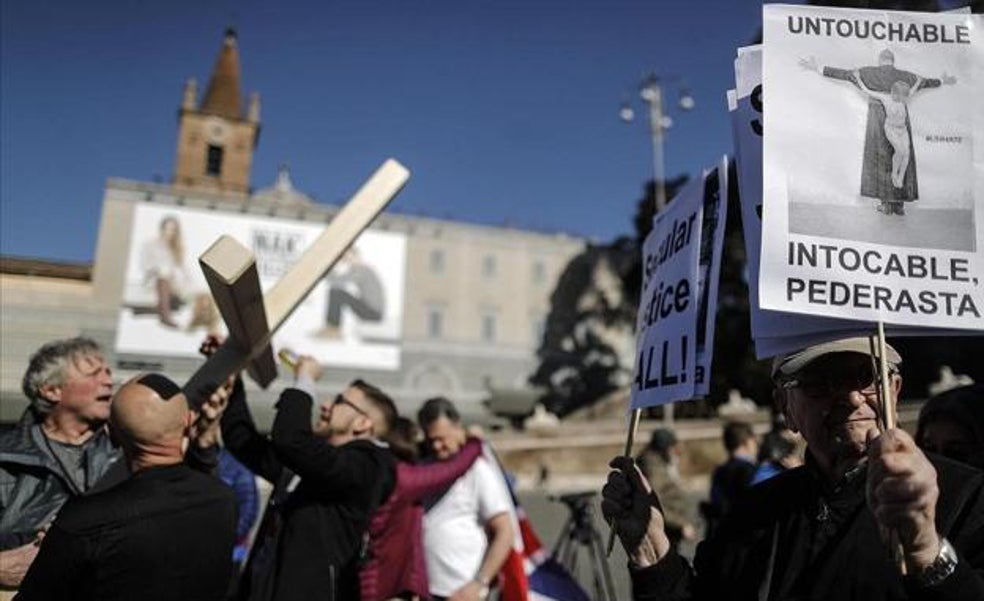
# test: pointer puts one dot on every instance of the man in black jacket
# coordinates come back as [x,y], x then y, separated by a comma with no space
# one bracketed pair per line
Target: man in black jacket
[328,480]
[824,530]
[164,533]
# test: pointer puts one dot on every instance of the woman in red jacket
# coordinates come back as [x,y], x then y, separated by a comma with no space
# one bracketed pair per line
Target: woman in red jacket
[395,567]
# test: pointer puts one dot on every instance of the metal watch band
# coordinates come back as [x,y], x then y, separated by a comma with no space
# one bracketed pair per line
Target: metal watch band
[941,568]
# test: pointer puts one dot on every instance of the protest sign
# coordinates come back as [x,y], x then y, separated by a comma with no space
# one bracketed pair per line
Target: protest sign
[775,332]
[713,220]
[667,320]
[871,203]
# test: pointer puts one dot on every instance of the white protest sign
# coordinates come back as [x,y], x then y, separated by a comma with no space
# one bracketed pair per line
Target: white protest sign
[867,216]
[775,332]
[667,321]
[713,221]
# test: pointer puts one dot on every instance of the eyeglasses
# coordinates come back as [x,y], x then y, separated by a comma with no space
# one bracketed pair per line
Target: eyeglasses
[833,382]
[341,400]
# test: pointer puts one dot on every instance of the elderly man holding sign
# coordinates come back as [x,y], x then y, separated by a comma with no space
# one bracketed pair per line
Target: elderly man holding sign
[820,531]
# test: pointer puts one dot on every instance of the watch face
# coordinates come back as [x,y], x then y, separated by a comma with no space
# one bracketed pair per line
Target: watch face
[940,569]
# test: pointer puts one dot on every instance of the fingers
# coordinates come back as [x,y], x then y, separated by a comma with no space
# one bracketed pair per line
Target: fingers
[210,345]
[902,490]
[627,465]
[625,488]
[616,496]
[212,409]
[893,440]
[617,485]
[894,454]
[308,366]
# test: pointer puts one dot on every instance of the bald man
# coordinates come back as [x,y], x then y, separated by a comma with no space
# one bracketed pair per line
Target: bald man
[166,532]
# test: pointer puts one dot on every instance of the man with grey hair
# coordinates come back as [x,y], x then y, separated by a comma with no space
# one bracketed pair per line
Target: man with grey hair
[824,530]
[59,449]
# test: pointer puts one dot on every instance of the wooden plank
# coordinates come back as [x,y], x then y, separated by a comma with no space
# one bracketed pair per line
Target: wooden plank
[230,270]
[242,301]
[329,247]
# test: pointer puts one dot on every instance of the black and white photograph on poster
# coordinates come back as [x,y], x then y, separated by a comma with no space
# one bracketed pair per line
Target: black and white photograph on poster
[667,319]
[891,125]
[776,332]
[712,225]
[872,120]
[352,318]
[353,285]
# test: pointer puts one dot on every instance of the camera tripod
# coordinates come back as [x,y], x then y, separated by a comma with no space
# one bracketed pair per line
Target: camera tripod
[579,531]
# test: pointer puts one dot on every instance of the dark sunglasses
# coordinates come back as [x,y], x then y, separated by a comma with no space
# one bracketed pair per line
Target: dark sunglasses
[836,380]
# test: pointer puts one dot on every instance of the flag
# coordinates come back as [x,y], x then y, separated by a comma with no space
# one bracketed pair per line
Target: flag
[529,572]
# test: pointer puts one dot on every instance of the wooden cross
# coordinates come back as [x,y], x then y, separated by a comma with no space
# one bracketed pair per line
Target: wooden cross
[251,318]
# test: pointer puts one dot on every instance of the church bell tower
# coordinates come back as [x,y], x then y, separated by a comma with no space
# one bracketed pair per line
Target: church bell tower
[215,139]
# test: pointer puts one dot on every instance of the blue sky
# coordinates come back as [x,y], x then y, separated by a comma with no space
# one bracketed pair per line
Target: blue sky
[505,111]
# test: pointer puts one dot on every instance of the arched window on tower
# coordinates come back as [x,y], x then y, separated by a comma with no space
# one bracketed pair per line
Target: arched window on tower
[213,166]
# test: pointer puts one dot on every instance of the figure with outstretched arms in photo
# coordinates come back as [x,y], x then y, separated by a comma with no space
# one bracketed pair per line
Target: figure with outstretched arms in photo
[878,179]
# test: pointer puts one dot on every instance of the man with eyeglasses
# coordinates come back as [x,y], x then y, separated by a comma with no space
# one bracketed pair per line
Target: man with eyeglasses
[824,530]
[328,480]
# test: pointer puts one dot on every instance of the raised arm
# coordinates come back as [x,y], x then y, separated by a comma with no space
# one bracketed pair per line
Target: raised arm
[917,85]
[420,481]
[633,510]
[925,83]
[856,78]
[842,74]
[350,468]
[244,441]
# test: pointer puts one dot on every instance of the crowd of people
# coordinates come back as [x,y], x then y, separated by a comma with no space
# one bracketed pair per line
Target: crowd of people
[128,493]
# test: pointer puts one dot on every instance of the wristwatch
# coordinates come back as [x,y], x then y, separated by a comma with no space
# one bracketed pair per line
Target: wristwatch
[941,568]
[483,591]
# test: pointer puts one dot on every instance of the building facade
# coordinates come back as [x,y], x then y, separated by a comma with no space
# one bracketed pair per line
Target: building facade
[458,307]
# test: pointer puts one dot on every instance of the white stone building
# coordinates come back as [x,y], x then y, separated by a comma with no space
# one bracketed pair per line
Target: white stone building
[467,302]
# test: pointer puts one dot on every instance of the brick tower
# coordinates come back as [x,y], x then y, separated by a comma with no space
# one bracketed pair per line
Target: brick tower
[215,139]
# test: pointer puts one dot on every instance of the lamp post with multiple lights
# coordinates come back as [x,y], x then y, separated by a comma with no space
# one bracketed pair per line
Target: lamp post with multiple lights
[651,90]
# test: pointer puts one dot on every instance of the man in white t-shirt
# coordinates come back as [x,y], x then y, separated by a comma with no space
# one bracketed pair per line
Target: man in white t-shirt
[468,530]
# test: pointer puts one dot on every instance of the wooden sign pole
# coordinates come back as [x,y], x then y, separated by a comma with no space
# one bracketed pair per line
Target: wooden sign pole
[629,443]
[886,405]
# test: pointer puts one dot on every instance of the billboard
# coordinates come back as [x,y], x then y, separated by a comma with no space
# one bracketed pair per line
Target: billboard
[353,317]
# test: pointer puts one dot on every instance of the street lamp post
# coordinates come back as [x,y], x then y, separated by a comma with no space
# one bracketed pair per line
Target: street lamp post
[651,92]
